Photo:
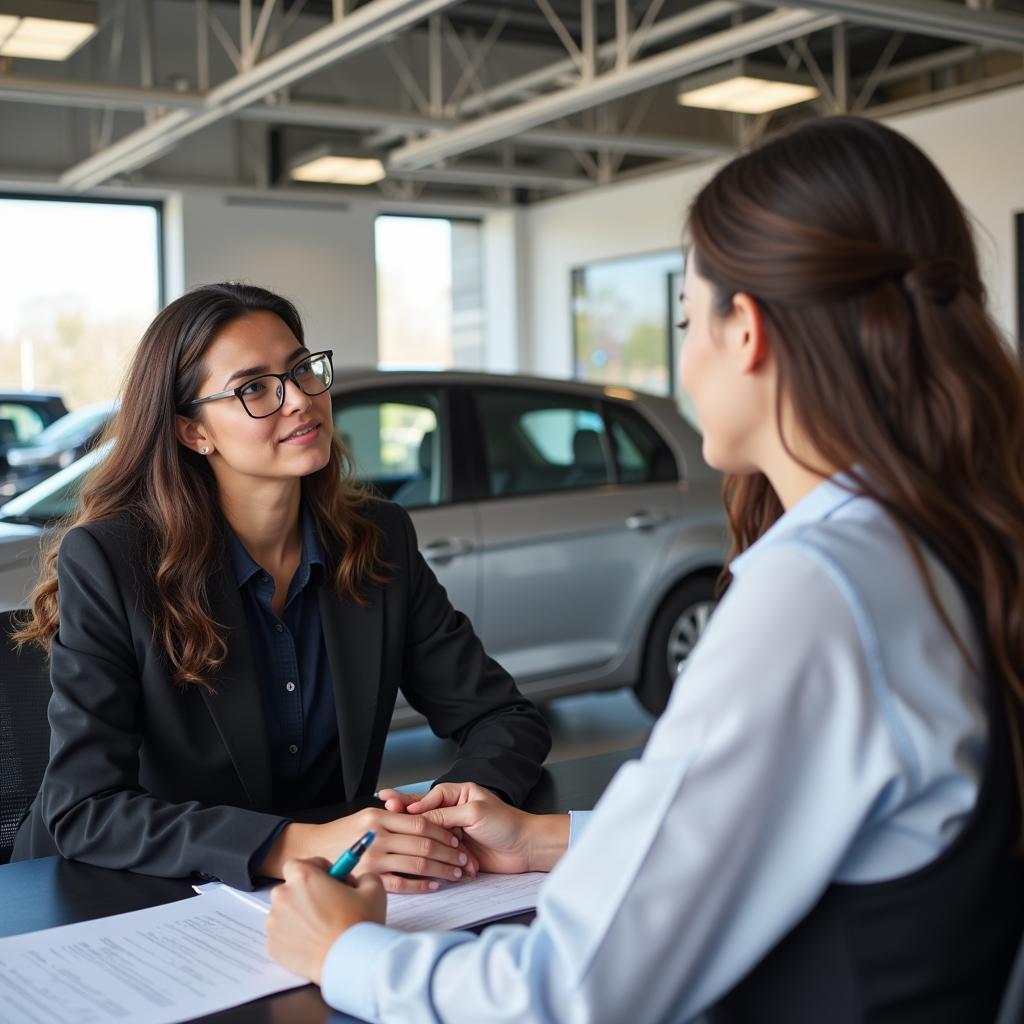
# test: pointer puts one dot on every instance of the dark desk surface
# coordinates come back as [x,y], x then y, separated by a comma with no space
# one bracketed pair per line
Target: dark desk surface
[49,892]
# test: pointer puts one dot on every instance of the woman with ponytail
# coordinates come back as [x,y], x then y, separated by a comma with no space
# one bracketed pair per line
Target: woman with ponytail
[229,618]
[825,825]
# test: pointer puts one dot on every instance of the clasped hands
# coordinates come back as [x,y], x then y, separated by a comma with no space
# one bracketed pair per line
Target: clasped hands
[311,909]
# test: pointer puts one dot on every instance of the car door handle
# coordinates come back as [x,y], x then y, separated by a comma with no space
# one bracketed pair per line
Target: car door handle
[443,550]
[645,520]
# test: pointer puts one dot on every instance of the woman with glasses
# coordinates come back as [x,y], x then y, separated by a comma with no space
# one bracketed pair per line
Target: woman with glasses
[825,824]
[229,618]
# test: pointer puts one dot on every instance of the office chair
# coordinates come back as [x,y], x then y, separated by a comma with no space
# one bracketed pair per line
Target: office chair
[24,730]
[1012,1009]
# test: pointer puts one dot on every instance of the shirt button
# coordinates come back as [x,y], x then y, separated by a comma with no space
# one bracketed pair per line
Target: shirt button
[289,686]
[293,749]
[265,578]
[278,627]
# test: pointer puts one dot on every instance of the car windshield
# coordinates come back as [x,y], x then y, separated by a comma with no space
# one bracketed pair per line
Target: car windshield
[56,496]
[74,426]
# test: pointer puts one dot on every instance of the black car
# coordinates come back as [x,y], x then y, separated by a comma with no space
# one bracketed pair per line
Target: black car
[60,444]
[23,414]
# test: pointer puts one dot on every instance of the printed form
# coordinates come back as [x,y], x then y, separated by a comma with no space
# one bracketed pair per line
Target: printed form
[160,965]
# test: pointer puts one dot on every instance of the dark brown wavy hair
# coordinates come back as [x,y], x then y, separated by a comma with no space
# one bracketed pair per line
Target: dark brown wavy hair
[862,263]
[170,494]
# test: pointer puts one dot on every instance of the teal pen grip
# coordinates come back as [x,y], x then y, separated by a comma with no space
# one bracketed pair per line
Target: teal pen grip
[350,858]
[343,865]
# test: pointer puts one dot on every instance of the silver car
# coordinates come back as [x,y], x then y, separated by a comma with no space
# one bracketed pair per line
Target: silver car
[577,526]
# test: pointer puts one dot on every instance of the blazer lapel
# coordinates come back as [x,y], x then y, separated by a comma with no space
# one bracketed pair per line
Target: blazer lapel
[236,706]
[353,637]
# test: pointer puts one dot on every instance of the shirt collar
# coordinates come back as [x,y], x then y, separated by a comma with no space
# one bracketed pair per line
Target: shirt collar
[820,503]
[245,566]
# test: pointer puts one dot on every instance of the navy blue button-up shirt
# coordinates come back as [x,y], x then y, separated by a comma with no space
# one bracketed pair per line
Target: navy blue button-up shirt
[294,674]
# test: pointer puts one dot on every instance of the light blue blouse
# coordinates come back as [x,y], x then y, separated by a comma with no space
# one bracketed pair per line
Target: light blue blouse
[826,728]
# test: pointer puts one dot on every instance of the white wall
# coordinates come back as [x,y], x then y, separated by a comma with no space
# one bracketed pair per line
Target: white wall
[320,257]
[978,144]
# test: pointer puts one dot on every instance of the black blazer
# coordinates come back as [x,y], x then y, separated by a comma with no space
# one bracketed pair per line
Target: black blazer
[154,778]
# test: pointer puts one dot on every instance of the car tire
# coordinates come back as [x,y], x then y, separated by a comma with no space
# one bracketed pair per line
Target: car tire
[676,627]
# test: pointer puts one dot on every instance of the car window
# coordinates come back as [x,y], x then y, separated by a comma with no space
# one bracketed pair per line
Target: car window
[536,442]
[18,422]
[76,426]
[395,442]
[641,454]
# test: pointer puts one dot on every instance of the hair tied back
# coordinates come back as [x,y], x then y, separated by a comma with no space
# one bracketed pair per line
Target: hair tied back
[937,281]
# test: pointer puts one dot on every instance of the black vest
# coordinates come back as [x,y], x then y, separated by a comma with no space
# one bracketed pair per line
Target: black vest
[931,947]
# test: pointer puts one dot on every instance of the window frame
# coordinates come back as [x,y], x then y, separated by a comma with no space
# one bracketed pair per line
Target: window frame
[392,395]
[629,410]
[1020,284]
[591,403]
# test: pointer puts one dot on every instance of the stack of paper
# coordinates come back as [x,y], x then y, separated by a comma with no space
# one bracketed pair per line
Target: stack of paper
[455,905]
[188,959]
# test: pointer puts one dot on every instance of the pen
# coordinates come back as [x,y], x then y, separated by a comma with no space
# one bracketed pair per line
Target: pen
[350,858]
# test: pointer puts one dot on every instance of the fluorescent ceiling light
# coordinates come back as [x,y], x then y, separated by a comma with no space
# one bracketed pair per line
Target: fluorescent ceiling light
[744,95]
[45,29]
[339,170]
[745,88]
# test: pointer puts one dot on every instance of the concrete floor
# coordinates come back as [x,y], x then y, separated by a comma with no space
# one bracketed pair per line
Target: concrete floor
[585,724]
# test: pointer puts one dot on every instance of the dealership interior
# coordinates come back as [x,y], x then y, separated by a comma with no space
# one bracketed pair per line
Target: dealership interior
[478,209]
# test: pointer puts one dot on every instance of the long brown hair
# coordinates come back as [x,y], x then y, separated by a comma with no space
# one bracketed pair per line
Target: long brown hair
[169,493]
[862,263]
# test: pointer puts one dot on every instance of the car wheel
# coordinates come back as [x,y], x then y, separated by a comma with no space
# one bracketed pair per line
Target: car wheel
[674,633]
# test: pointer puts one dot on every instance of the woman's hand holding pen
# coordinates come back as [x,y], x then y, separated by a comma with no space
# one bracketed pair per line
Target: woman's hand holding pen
[503,839]
[406,845]
[311,910]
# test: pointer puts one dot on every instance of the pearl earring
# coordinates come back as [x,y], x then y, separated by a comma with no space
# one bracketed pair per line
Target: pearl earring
[204,451]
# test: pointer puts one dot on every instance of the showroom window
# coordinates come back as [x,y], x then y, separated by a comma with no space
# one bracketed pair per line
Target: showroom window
[429,293]
[622,321]
[81,281]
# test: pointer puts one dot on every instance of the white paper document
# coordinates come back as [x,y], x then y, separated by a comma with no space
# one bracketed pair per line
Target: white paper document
[461,904]
[455,905]
[160,965]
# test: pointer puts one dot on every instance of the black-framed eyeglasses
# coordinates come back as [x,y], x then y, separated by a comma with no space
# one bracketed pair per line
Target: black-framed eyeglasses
[264,395]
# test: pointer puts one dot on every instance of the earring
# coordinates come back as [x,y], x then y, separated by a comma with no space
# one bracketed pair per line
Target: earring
[204,451]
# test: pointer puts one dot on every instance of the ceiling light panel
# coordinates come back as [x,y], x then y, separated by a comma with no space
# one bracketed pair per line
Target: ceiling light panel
[44,30]
[339,170]
[745,95]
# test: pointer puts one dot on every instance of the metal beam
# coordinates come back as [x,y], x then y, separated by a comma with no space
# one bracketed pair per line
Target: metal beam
[535,80]
[66,92]
[738,41]
[932,62]
[325,115]
[497,177]
[666,146]
[937,18]
[366,27]
[61,92]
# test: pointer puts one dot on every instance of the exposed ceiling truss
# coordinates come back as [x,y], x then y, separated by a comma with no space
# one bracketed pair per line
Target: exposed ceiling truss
[521,99]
